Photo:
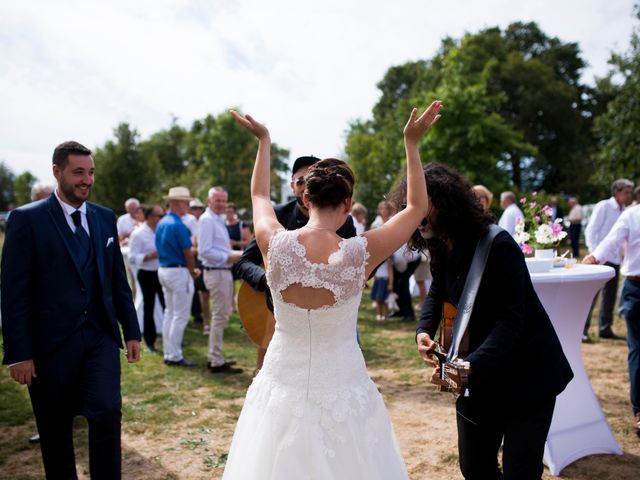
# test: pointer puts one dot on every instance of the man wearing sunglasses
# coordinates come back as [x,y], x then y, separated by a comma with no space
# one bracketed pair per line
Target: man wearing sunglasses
[292,215]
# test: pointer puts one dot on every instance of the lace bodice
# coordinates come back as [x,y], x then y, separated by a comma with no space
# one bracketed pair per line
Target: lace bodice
[343,274]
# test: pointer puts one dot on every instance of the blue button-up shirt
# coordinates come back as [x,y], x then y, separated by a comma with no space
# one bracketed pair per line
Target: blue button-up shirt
[172,237]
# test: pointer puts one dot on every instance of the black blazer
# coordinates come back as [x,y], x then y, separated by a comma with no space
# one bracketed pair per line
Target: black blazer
[43,293]
[514,350]
[289,216]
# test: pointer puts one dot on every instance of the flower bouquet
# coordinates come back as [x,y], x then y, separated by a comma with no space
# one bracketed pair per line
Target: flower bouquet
[536,229]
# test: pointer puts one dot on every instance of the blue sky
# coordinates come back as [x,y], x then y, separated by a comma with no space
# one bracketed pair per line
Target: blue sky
[74,69]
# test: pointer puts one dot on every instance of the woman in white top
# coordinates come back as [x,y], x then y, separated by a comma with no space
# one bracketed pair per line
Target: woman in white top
[313,411]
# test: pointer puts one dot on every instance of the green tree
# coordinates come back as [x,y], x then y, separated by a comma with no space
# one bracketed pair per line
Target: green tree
[22,185]
[7,194]
[224,155]
[617,127]
[171,150]
[122,172]
[515,114]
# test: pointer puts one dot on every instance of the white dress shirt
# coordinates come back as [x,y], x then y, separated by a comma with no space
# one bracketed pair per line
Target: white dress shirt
[214,245]
[126,223]
[69,209]
[626,229]
[509,217]
[143,242]
[575,215]
[191,222]
[604,215]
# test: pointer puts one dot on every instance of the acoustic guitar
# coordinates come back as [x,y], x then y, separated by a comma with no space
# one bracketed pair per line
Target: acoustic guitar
[258,321]
[453,375]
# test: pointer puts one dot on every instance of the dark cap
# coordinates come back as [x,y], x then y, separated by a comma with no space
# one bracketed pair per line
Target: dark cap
[302,162]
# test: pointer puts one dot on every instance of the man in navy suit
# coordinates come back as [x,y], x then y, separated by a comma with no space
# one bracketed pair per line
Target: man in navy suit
[64,291]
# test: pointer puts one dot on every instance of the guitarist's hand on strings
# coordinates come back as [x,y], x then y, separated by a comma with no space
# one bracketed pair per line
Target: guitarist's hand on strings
[424,344]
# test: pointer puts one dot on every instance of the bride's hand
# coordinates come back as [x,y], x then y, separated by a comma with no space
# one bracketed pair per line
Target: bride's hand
[416,126]
[256,128]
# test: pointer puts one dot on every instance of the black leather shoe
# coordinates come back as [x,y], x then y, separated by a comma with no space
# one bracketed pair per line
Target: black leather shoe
[224,368]
[180,363]
[610,335]
[586,339]
[636,423]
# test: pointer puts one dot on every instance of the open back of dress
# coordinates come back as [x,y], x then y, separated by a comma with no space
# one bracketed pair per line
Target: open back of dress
[313,412]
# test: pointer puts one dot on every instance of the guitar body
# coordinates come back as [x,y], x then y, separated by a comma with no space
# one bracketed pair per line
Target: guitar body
[453,377]
[258,321]
[446,330]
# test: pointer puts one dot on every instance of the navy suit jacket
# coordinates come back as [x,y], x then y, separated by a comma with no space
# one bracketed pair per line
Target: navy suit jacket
[43,292]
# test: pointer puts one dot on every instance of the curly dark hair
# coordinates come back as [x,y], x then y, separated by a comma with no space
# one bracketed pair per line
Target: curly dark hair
[460,218]
[329,182]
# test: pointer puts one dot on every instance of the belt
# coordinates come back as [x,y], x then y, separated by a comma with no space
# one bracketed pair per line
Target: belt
[216,268]
[634,278]
[173,265]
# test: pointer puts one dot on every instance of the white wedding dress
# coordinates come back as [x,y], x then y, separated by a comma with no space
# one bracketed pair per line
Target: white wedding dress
[313,412]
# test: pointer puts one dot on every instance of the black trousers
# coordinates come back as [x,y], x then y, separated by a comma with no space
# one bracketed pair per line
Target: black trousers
[80,378]
[484,425]
[609,294]
[574,236]
[401,288]
[150,286]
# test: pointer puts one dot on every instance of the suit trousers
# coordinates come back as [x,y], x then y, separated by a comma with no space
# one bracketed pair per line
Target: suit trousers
[150,286]
[608,295]
[401,288]
[80,378]
[574,236]
[631,312]
[220,286]
[177,286]
[484,425]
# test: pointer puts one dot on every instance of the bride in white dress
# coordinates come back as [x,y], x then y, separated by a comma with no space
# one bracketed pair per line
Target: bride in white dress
[313,412]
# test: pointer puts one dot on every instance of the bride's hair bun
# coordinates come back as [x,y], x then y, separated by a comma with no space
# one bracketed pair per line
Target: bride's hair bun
[329,183]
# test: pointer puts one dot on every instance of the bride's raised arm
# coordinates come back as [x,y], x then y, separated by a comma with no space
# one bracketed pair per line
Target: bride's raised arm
[387,239]
[265,222]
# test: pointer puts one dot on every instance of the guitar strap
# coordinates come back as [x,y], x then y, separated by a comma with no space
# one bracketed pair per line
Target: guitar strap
[468,297]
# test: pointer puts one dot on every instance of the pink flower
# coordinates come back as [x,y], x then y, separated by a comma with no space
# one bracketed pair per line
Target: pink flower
[523,199]
[547,209]
[533,204]
[556,228]
[537,218]
[533,194]
[526,249]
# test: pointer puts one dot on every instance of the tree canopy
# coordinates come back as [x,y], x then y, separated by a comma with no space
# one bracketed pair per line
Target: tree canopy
[515,114]
[213,152]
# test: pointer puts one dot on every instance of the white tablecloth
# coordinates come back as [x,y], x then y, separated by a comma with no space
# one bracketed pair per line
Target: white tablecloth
[579,427]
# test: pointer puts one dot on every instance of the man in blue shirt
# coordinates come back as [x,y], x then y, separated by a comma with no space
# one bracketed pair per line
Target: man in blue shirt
[176,271]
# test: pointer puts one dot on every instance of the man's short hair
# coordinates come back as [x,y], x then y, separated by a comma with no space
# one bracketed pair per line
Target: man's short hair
[358,209]
[213,190]
[40,189]
[148,210]
[508,196]
[620,184]
[302,162]
[131,201]
[62,152]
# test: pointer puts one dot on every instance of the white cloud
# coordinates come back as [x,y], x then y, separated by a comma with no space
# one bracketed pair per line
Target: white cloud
[74,69]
